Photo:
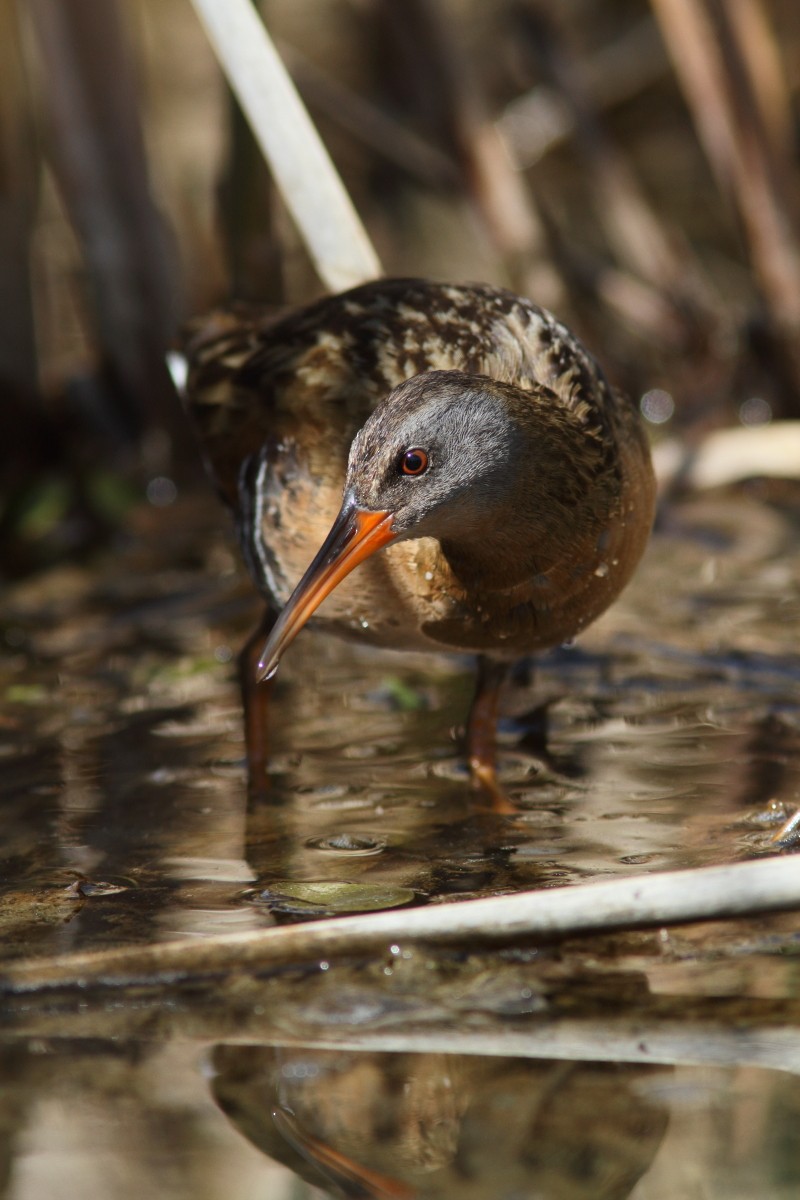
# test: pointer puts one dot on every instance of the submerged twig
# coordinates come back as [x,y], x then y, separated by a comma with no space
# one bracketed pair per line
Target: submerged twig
[308,181]
[708,893]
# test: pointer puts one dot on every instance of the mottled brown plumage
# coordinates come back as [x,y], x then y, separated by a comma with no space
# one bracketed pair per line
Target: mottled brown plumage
[537,495]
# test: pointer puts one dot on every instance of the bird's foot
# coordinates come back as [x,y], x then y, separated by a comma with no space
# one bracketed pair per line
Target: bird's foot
[484,779]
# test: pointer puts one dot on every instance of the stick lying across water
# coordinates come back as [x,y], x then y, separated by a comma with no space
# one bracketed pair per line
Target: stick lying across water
[671,897]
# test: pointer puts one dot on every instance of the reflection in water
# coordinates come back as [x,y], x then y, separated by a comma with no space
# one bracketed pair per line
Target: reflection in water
[118,1121]
[672,740]
[429,1125]
[344,1174]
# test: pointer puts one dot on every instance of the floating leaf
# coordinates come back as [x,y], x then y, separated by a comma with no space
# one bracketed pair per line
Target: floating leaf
[333,896]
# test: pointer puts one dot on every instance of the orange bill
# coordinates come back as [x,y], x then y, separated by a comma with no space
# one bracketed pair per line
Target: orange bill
[355,535]
[345,1172]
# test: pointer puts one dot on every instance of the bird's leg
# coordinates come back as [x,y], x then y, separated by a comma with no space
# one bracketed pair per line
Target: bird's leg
[255,702]
[481,732]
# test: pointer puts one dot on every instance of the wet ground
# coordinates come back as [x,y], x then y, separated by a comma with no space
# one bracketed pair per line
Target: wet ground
[650,1065]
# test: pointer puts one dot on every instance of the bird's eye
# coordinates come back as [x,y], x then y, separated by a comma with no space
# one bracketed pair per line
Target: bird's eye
[413,462]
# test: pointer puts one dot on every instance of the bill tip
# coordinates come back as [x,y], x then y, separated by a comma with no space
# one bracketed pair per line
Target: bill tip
[266,671]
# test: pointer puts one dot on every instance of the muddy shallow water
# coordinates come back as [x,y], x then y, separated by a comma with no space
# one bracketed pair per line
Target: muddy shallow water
[668,737]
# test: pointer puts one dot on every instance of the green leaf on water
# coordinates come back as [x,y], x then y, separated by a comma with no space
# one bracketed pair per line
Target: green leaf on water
[334,896]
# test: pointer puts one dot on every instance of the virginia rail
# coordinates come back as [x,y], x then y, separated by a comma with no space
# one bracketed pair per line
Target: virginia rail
[462,431]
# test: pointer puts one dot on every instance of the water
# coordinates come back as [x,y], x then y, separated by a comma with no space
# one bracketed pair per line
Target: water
[648,1064]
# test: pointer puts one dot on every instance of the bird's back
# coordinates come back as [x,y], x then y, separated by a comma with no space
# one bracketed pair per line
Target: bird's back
[330,363]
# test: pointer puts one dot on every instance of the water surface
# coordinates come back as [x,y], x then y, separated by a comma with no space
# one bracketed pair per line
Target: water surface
[647,1065]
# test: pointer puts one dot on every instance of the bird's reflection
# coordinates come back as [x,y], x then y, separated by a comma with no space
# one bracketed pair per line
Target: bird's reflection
[403,1126]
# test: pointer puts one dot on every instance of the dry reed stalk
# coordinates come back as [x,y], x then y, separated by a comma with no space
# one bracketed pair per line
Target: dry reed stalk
[381,133]
[706,51]
[447,84]
[250,211]
[304,174]
[19,168]
[633,301]
[636,232]
[92,107]
[758,43]
[539,120]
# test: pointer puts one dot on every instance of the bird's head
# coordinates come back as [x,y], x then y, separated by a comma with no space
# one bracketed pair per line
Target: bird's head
[444,455]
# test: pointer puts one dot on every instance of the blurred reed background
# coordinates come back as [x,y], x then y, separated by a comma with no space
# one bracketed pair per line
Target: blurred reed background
[631,165]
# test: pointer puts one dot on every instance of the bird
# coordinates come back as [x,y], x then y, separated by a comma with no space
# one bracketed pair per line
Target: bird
[443,464]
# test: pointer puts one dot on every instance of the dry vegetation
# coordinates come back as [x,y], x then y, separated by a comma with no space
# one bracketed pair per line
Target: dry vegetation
[632,165]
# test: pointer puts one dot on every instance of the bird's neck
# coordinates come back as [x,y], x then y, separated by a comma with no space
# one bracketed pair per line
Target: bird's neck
[499,561]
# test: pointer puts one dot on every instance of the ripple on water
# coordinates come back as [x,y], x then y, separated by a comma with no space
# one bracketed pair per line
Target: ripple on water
[351,844]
